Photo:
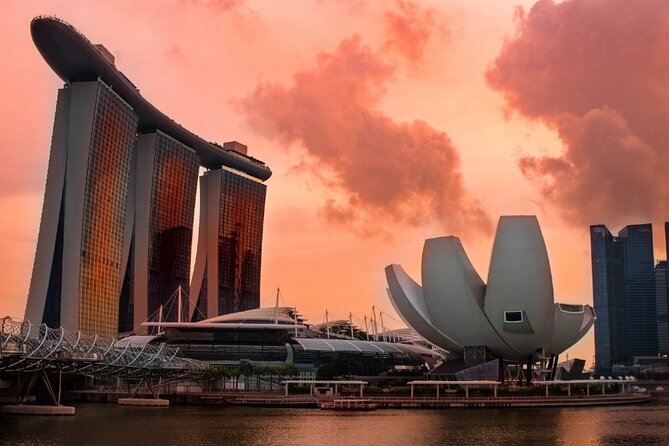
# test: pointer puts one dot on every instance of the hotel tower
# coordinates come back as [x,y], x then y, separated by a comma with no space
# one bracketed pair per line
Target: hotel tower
[117,221]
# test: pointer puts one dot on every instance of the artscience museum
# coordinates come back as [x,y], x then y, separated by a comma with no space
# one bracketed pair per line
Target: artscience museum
[510,318]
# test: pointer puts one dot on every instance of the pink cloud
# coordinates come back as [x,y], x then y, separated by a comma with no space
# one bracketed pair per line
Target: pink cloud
[596,72]
[384,171]
[221,5]
[408,30]
[604,172]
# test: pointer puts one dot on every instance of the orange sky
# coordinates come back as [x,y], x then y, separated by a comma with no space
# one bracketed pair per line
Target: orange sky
[412,139]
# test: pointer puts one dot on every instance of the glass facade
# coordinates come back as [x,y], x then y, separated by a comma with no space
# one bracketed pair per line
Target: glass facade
[666,238]
[661,305]
[112,139]
[229,280]
[241,216]
[663,317]
[599,237]
[623,281]
[261,345]
[488,371]
[640,308]
[175,172]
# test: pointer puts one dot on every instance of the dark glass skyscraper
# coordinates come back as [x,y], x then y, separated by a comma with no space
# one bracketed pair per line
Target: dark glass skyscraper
[662,298]
[623,280]
[609,297]
[663,316]
[666,238]
[640,308]
[661,305]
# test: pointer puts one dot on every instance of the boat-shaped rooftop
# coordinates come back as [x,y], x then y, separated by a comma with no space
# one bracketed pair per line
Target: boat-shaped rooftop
[75,59]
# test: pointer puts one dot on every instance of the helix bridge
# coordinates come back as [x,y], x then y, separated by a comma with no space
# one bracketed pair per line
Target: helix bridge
[30,352]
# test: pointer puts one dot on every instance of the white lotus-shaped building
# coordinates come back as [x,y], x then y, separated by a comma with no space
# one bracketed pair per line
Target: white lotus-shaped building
[514,315]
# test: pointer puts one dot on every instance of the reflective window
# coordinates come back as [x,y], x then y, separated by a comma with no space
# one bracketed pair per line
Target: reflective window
[242,212]
[175,171]
[173,184]
[113,135]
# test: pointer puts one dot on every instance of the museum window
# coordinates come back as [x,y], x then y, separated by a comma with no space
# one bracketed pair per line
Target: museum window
[513,316]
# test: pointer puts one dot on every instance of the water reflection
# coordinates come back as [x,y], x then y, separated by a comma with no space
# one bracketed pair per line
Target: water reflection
[618,425]
[195,426]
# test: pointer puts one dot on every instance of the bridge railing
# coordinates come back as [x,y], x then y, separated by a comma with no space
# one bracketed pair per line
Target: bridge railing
[25,347]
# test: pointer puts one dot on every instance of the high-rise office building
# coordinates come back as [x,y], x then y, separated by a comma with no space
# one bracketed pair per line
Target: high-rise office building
[623,279]
[116,228]
[226,277]
[666,238]
[608,296]
[663,316]
[640,308]
[661,306]
[76,275]
[662,298]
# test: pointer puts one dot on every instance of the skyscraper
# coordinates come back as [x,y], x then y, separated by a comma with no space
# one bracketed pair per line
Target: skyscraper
[662,298]
[160,219]
[663,316]
[666,238]
[608,296]
[76,275]
[640,308]
[116,228]
[623,280]
[226,277]
[661,305]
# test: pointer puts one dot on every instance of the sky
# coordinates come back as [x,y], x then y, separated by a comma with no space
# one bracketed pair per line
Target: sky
[384,123]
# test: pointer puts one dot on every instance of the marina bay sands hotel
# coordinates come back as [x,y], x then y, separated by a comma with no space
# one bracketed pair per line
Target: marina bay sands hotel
[117,223]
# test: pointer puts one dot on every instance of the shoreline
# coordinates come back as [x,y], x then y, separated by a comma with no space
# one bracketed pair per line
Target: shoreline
[382,402]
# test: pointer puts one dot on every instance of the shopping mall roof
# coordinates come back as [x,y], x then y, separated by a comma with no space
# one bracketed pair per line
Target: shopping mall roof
[343,345]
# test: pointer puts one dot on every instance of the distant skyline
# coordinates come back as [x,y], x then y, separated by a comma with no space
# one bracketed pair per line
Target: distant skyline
[625,295]
[384,123]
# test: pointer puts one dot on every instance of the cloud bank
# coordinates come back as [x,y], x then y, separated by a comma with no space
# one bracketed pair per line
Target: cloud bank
[379,171]
[596,72]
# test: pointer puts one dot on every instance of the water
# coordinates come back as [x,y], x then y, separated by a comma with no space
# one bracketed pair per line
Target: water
[109,424]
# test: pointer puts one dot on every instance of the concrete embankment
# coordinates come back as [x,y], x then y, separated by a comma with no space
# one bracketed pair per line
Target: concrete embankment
[536,401]
[305,401]
[280,400]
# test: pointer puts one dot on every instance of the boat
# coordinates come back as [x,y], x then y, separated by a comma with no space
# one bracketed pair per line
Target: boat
[349,404]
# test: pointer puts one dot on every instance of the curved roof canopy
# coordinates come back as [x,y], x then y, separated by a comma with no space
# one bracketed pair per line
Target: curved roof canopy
[344,345]
[75,59]
[266,315]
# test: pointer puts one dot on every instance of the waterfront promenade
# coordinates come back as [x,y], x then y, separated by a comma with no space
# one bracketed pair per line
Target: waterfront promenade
[258,399]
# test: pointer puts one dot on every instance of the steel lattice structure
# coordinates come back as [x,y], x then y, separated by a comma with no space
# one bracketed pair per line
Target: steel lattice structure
[25,347]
